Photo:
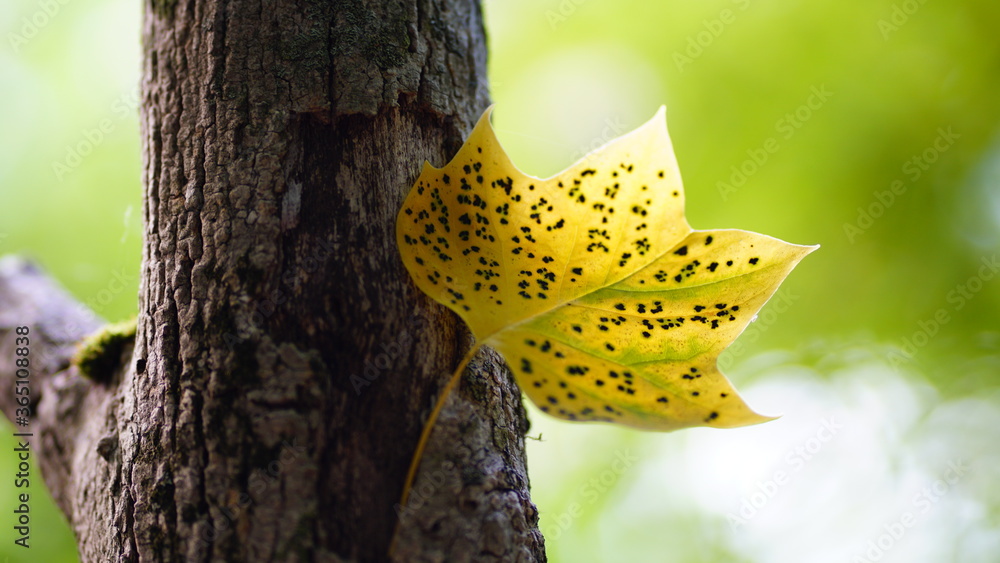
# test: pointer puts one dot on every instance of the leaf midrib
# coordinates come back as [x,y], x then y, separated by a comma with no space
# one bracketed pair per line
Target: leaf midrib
[560,304]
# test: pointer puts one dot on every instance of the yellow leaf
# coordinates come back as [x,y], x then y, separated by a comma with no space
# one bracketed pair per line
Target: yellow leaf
[605,303]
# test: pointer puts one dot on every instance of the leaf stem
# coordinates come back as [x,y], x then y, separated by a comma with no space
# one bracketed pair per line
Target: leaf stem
[432,419]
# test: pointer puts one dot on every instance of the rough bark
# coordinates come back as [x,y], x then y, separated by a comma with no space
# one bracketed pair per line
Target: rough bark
[283,364]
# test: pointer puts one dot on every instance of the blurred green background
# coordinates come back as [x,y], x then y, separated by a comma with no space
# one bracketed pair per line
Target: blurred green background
[882,349]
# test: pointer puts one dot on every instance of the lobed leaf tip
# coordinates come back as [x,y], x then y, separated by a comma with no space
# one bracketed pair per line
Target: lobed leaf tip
[762,418]
[752,419]
[659,120]
[806,249]
[487,116]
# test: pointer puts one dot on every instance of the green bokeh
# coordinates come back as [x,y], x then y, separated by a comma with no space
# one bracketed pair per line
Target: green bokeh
[579,65]
[568,75]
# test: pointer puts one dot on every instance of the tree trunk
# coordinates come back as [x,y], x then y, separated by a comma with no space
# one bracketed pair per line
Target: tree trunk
[283,364]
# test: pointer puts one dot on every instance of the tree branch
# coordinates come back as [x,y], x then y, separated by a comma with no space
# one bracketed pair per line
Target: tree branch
[61,400]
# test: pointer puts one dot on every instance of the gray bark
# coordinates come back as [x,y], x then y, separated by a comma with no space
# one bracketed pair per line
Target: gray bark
[284,364]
